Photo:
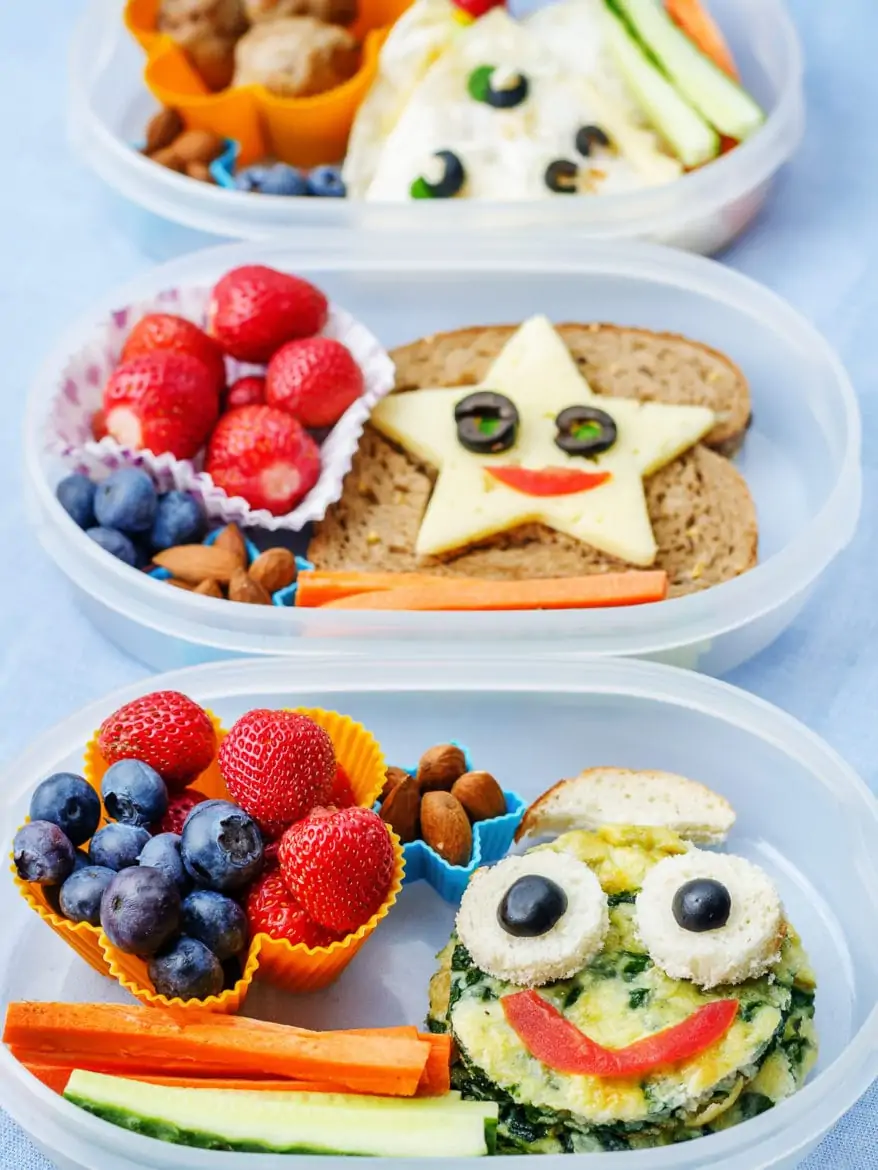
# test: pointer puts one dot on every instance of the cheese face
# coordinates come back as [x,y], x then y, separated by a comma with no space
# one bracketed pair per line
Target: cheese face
[506,152]
[536,372]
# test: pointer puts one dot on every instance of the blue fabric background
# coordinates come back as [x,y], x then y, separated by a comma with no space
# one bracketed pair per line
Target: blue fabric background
[64,241]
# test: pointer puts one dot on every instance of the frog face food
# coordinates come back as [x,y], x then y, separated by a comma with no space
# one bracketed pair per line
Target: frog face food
[622,988]
[540,451]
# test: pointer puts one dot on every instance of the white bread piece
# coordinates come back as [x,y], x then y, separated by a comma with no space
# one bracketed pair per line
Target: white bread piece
[746,947]
[618,796]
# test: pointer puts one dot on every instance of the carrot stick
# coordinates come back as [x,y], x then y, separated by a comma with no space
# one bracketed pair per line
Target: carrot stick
[436,1079]
[699,26]
[597,590]
[53,1076]
[199,1043]
[315,588]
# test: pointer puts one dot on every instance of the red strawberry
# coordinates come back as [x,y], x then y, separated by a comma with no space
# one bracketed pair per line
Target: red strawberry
[265,456]
[249,391]
[161,402]
[272,911]
[338,865]
[99,425]
[168,332]
[341,795]
[254,310]
[179,808]
[277,766]
[476,8]
[167,731]
[315,380]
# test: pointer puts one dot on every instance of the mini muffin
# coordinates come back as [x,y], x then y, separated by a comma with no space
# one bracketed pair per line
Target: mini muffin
[208,31]
[330,11]
[296,56]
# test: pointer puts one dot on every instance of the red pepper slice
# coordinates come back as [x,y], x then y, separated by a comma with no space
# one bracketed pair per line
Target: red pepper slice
[558,1043]
[551,481]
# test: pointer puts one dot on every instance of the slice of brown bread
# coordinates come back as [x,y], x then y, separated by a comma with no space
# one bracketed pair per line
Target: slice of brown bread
[616,360]
[701,510]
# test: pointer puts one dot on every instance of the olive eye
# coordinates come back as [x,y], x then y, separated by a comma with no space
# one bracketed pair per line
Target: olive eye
[588,137]
[562,176]
[531,906]
[585,430]
[535,919]
[498,87]
[487,423]
[711,918]
[702,904]
[443,178]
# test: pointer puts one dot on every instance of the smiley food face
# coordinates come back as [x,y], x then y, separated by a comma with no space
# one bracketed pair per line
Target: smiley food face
[535,444]
[632,1048]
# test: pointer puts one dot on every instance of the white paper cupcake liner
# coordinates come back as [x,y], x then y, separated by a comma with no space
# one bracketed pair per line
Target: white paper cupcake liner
[69,430]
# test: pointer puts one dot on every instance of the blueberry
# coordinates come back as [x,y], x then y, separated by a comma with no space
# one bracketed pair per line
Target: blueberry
[69,802]
[326,183]
[76,495]
[115,543]
[140,911]
[117,846]
[43,854]
[222,846]
[179,519]
[81,894]
[126,501]
[251,178]
[134,793]
[163,853]
[186,970]
[283,180]
[216,921]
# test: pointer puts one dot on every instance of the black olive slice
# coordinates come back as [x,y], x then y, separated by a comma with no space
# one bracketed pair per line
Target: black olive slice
[701,905]
[487,423]
[588,137]
[449,179]
[585,430]
[531,906]
[561,176]
[498,87]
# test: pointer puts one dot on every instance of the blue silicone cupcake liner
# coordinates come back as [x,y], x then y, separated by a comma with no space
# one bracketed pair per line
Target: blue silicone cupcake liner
[491,841]
[283,597]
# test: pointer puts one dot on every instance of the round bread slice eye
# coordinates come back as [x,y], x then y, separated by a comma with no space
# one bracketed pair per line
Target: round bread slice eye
[710,918]
[535,919]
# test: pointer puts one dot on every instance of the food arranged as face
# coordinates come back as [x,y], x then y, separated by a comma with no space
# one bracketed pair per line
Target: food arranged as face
[622,988]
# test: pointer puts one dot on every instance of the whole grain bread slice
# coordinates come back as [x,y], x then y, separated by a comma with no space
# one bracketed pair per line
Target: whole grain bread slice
[701,510]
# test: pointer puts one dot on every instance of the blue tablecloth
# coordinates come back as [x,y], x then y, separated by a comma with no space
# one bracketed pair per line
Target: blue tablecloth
[64,241]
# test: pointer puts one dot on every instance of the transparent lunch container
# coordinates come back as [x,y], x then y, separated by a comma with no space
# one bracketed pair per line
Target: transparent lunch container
[801,455]
[703,212]
[529,720]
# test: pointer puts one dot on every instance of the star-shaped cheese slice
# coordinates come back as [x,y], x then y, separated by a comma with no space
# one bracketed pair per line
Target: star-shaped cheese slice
[536,371]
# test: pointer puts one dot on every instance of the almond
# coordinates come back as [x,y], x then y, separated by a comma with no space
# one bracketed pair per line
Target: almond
[232,540]
[209,588]
[198,562]
[274,569]
[393,777]
[167,157]
[242,587]
[440,767]
[199,171]
[446,828]
[401,810]
[162,130]
[180,584]
[481,796]
[198,146]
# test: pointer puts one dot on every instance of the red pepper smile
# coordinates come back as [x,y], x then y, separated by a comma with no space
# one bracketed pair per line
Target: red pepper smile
[560,1045]
[549,481]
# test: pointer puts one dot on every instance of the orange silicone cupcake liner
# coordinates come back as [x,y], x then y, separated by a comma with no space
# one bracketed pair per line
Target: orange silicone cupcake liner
[294,968]
[301,131]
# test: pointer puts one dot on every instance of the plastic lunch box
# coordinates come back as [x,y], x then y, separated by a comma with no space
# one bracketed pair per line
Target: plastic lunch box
[530,720]
[801,456]
[109,107]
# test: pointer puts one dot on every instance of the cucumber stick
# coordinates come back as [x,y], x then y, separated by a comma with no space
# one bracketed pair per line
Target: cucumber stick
[719,99]
[290,1123]
[690,137]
